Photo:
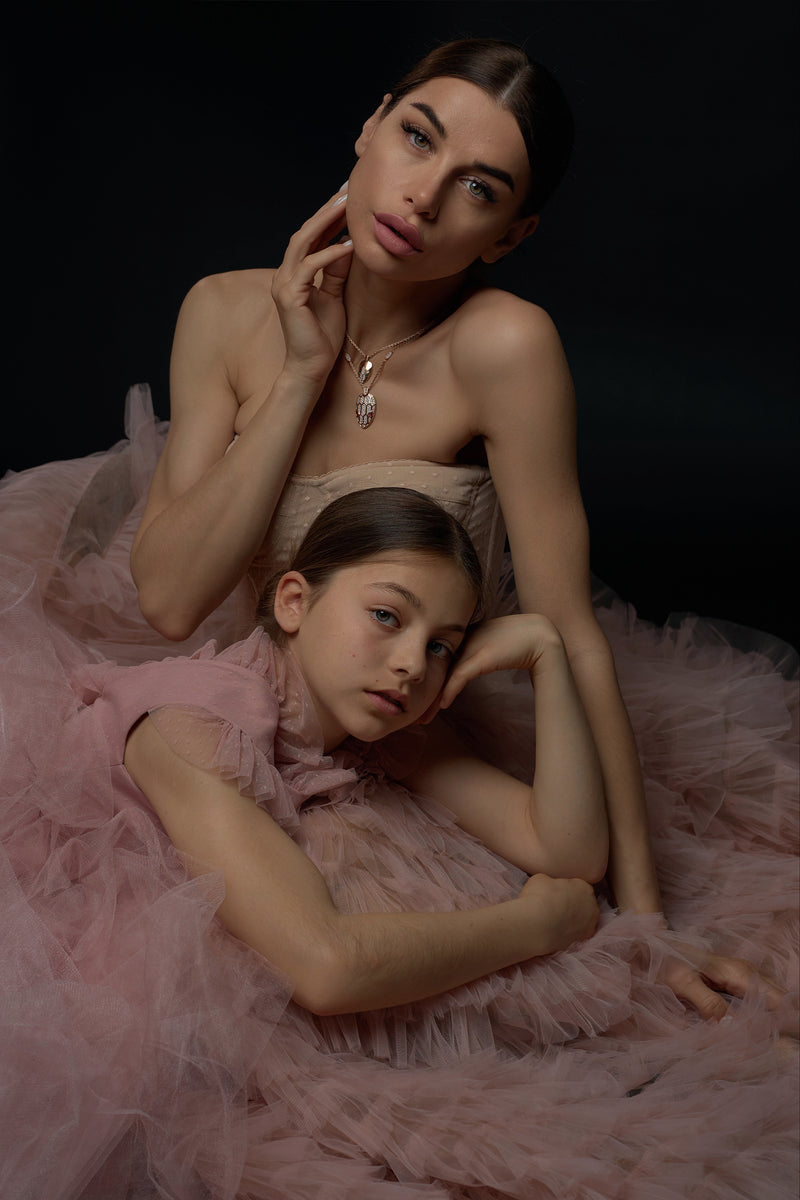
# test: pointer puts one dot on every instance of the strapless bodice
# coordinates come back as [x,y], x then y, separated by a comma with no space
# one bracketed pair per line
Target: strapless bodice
[467,492]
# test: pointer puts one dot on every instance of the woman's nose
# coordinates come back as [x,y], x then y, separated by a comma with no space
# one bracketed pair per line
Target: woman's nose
[423,192]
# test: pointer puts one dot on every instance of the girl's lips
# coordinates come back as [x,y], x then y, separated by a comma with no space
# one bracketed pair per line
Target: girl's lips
[387,703]
[396,235]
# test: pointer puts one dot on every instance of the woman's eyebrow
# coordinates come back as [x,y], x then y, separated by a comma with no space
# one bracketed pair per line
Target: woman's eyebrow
[432,117]
[495,172]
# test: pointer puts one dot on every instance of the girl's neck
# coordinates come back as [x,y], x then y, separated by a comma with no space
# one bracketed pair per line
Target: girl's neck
[380,311]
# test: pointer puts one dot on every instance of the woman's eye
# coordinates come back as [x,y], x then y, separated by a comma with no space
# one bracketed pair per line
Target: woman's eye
[476,187]
[416,136]
[440,649]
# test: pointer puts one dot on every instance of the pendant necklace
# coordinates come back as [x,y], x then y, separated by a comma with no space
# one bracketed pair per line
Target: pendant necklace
[365,402]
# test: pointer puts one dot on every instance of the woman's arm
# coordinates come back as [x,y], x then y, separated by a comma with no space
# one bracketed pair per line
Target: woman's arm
[524,400]
[558,825]
[208,511]
[516,373]
[277,901]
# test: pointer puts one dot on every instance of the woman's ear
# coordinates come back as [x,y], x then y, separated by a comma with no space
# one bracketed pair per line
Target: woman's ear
[370,126]
[516,233]
[291,601]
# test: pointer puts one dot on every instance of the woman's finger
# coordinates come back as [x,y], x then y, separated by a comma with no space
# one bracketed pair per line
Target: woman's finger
[317,231]
[334,276]
[296,286]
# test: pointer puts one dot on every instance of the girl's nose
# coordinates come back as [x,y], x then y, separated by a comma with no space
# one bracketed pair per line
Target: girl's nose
[409,658]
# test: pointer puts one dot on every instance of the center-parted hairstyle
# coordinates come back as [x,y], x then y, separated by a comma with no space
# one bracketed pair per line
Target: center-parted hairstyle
[517,83]
[368,523]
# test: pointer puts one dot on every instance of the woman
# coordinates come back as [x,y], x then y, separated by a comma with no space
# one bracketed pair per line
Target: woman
[452,167]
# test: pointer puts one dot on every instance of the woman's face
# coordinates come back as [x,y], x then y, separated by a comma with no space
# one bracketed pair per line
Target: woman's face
[439,183]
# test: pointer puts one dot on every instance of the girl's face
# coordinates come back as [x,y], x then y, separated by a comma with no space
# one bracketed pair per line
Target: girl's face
[439,183]
[376,643]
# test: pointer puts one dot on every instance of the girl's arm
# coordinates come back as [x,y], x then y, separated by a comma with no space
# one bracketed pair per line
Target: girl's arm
[208,511]
[558,825]
[277,901]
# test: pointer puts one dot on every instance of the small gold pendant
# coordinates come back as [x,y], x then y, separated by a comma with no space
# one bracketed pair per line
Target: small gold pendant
[365,409]
[364,371]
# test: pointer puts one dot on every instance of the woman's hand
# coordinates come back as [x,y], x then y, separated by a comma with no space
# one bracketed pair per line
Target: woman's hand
[563,911]
[700,982]
[522,641]
[311,309]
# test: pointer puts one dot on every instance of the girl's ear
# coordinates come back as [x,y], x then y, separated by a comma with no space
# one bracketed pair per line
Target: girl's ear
[291,601]
[370,126]
[512,237]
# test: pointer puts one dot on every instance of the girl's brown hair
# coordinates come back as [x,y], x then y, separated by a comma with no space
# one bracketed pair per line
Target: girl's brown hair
[367,523]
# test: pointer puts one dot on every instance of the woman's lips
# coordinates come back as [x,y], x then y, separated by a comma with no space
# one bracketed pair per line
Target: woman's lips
[396,235]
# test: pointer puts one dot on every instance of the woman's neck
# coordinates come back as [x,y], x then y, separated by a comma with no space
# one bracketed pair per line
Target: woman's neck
[380,311]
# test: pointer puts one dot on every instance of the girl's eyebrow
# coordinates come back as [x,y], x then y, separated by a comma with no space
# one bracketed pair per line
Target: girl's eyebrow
[414,600]
[410,597]
[495,172]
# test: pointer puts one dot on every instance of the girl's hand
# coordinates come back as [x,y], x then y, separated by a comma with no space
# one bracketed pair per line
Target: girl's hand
[562,911]
[522,641]
[312,314]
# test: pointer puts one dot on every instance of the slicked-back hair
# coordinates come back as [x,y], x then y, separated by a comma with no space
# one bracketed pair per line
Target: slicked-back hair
[368,523]
[517,83]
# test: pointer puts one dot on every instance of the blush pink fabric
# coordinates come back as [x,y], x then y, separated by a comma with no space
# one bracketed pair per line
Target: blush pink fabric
[146,1053]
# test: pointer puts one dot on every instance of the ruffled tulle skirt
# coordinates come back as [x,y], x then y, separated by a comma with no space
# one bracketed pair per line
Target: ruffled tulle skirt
[145,1053]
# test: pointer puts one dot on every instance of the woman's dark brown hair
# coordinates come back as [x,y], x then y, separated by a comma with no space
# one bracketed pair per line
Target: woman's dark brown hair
[517,83]
[367,523]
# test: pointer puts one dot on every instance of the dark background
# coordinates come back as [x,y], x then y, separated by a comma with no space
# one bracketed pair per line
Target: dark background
[151,145]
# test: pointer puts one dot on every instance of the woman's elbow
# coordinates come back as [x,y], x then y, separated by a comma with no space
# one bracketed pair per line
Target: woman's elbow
[167,620]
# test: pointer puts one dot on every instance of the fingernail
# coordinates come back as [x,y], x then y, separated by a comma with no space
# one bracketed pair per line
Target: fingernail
[341,200]
[344,185]
[349,242]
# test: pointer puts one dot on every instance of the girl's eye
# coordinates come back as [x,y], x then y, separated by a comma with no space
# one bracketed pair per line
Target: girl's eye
[383,616]
[440,649]
[416,136]
[476,187]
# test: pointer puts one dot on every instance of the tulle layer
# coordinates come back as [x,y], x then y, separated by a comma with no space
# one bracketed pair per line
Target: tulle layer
[148,1054]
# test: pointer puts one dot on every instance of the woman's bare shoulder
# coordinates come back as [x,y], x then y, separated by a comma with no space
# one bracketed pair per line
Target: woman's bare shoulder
[236,296]
[496,329]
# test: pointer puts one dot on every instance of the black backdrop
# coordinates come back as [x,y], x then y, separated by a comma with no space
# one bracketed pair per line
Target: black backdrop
[151,145]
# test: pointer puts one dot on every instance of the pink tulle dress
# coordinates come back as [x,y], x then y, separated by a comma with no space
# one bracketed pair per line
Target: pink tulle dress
[146,1053]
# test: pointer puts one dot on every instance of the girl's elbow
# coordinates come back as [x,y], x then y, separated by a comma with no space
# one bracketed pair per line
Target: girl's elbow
[325,985]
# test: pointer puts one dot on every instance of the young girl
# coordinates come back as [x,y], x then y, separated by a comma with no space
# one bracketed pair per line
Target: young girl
[385,1044]
[373,614]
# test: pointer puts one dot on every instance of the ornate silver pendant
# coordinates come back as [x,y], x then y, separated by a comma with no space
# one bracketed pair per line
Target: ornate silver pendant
[365,409]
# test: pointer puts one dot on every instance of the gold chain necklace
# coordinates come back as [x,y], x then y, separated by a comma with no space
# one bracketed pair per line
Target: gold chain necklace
[365,402]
